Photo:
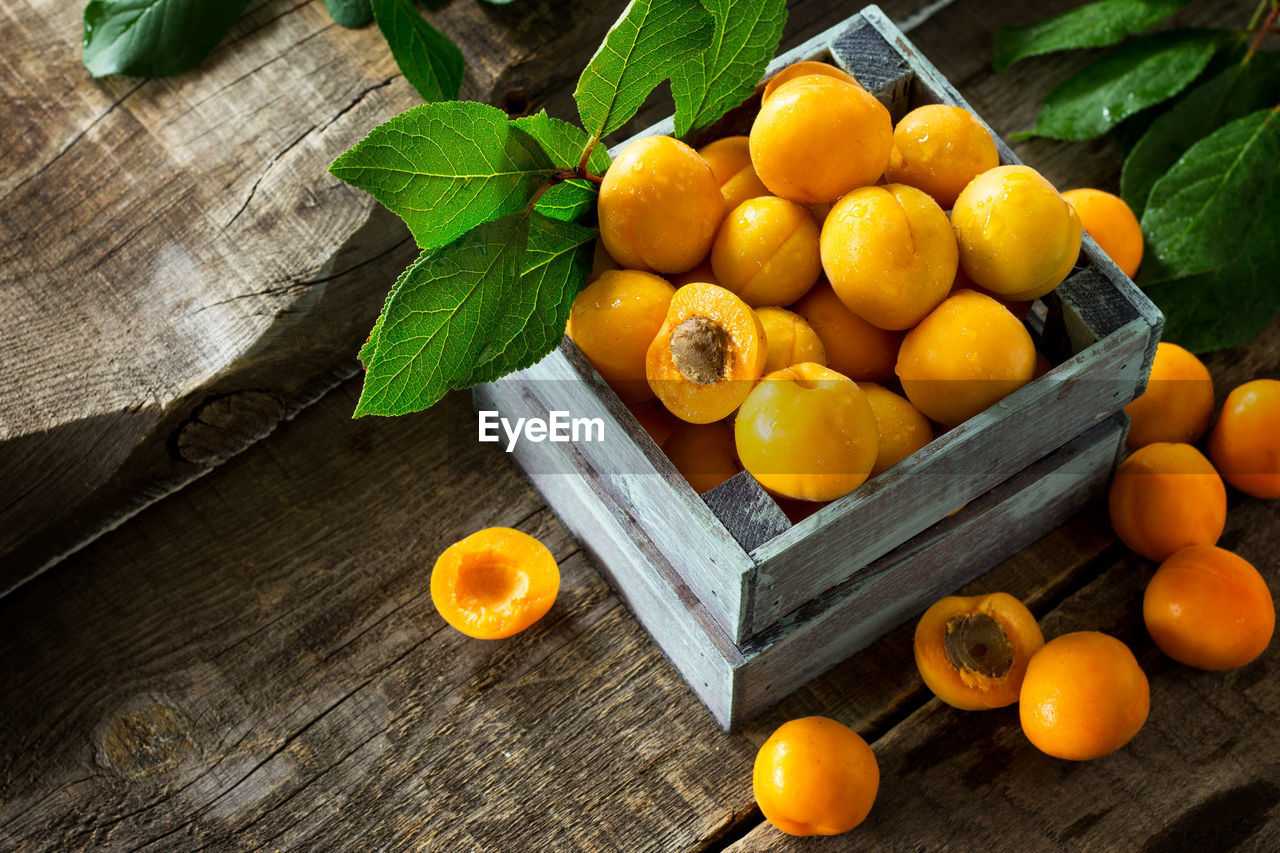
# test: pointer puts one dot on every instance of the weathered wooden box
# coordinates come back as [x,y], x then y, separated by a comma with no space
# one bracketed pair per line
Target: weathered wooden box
[749,606]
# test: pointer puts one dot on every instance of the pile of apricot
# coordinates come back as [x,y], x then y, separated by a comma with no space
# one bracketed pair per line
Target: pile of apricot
[800,302]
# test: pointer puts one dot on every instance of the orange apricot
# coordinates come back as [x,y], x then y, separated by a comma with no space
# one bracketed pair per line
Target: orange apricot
[730,160]
[1112,225]
[901,427]
[494,583]
[854,347]
[1209,608]
[939,148]
[815,138]
[703,454]
[707,355]
[973,651]
[659,206]
[807,432]
[1083,696]
[1017,236]
[766,251]
[968,354]
[1245,442]
[806,68]
[613,320]
[1177,404]
[789,339]
[889,254]
[1167,496]
[815,776]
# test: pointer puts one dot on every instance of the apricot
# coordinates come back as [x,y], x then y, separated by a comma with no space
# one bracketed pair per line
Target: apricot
[1177,404]
[854,347]
[900,426]
[815,138]
[1245,442]
[1112,225]
[703,454]
[707,355]
[789,339]
[1083,696]
[659,206]
[807,432]
[805,68]
[972,652]
[939,148]
[1018,237]
[1167,496]
[730,161]
[766,251]
[968,354]
[494,583]
[1209,608]
[613,320]
[889,254]
[815,776]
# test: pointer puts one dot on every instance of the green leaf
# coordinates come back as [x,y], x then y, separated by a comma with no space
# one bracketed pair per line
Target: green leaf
[350,13]
[428,59]
[1228,306]
[1234,92]
[441,316]
[563,144]
[446,167]
[1129,79]
[1200,216]
[1100,24]
[721,76]
[531,323]
[153,38]
[650,39]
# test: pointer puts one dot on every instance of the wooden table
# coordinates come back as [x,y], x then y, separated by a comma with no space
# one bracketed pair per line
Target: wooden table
[253,661]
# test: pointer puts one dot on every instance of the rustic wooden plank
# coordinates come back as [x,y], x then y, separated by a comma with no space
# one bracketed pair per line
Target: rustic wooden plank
[634,480]
[677,619]
[948,555]
[256,662]
[211,252]
[1201,774]
[842,538]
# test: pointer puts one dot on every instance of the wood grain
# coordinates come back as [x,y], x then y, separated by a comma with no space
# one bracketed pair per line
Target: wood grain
[254,662]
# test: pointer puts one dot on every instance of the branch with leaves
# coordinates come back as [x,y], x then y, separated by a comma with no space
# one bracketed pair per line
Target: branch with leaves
[157,38]
[1204,172]
[503,209]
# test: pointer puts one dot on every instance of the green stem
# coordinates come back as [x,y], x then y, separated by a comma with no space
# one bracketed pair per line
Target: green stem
[586,154]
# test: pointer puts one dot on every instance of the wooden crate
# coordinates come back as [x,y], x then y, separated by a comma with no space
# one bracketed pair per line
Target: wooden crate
[749,606]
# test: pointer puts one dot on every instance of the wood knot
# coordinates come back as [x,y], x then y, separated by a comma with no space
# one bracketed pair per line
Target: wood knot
[224,425]
[148,740]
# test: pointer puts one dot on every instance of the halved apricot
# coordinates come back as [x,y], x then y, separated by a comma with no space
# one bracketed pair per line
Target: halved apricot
[494,583]
[707,355]
[973,651]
